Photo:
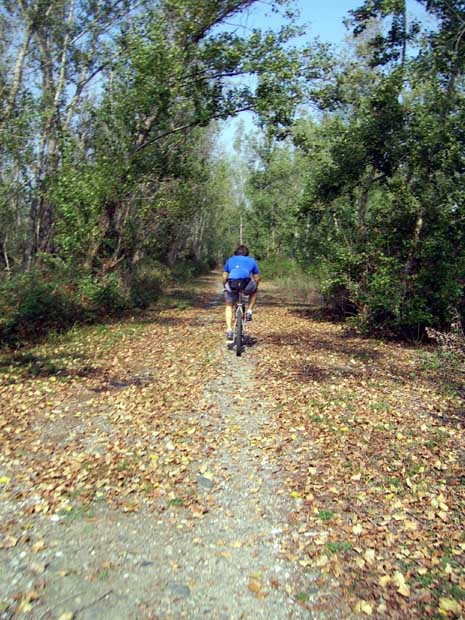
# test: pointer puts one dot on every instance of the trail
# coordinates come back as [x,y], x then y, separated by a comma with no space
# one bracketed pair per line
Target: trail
[148,473]
[223,559]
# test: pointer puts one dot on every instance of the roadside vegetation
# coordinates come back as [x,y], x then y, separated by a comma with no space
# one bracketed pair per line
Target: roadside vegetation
[112,176]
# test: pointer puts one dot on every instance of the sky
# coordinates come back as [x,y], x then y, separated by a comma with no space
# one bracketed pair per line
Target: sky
[323,19]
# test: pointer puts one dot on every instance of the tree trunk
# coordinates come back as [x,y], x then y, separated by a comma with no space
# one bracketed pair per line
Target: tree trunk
[17,75]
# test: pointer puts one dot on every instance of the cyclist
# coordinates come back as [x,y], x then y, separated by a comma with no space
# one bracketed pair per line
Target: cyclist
[240,273]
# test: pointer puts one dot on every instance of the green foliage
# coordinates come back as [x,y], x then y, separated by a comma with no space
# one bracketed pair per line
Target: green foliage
[382,208]
[31,305]
[273,268]
[104,178]
[105,295]
[56,297]
[147,284]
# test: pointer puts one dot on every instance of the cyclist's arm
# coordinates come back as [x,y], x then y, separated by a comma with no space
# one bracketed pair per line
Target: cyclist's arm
[225,276]
[255,273]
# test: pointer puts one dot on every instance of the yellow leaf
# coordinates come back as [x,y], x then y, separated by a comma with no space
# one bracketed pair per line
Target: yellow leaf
[404,590]
[322,560]
[398,579]
[224,554]
[38,546]
[208,475]
[295,494]
[447,605]
[67,615]
[357,529]
[4,480]
[384,580]
[255,587]
[364,607]
[10,541]
[448,569]
[24,607]
[411,525]
[305,563]
[370,556]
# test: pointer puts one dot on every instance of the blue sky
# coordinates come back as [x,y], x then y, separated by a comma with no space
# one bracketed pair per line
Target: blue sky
[323,19]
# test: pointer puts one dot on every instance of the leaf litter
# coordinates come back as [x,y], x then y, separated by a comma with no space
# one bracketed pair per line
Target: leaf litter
[360,437]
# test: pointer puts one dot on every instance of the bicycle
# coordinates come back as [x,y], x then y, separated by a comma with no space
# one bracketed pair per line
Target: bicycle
[239,324]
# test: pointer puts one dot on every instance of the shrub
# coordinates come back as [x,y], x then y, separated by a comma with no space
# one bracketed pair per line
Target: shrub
[31,305]
[185,270]
[147,285]
[103,296]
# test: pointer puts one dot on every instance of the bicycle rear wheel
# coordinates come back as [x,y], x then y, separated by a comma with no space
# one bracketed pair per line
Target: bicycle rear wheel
[239,319]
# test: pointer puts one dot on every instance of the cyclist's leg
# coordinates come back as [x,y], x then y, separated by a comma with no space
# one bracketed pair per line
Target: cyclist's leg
[251,291]
[252,301]
[230,299]
[229,315]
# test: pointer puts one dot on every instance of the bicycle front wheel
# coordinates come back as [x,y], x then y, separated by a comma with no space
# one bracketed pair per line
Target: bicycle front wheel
[239,318]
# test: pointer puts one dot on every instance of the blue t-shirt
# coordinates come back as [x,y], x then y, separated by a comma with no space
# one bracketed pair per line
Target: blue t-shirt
[241,267]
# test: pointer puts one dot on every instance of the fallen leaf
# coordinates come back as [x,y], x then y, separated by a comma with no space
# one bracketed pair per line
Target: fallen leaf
[38,546]
[9,542]
[24,607]
[449,605]
[402,587]
[364,607]
[38,567]
[369,556]
[384,581]
[255,586]
[404,590]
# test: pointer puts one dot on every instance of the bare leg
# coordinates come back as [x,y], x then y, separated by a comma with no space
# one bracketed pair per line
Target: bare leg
[252,301]
[229,315]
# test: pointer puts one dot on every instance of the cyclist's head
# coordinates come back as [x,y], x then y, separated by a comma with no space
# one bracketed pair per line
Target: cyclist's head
[241,250]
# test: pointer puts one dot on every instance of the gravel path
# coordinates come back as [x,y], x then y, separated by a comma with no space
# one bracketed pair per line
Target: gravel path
[225,565]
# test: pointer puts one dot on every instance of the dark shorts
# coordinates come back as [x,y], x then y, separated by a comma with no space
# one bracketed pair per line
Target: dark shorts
[231,296]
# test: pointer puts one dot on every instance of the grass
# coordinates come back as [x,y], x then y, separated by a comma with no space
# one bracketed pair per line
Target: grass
[338,547]
[325,515]
[177,501]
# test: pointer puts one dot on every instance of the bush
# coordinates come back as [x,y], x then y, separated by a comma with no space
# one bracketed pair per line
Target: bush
[103,296]
[273,268]
[185,270]
[147,285]
[31,305]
